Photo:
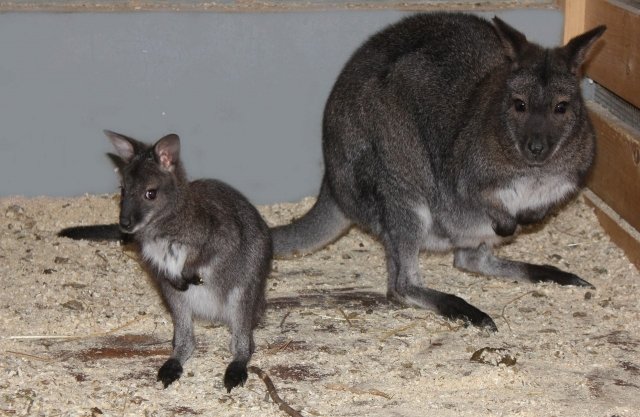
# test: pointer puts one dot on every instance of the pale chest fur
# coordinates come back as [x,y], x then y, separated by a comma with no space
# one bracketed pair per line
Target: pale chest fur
[531,193]
[167,256]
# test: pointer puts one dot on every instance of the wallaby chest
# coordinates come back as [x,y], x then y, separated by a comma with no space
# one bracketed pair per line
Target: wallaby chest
[534,193]
[168,256]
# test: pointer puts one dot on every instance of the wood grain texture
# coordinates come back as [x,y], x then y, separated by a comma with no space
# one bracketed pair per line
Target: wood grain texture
[615,61]
[574,18]
[616,173]
[620,232]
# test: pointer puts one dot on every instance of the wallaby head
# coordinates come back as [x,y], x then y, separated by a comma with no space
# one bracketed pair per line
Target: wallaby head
[541,102]
[151,178]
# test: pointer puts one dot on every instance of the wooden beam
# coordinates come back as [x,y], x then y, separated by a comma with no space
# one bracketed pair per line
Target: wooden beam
[574,16]
[616,173]
[619,231]
[615,62]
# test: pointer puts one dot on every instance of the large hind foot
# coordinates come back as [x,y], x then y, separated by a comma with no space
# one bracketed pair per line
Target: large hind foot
[236,374]
[447,305]
[169,372]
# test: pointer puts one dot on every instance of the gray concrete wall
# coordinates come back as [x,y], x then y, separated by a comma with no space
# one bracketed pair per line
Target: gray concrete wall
[244,91]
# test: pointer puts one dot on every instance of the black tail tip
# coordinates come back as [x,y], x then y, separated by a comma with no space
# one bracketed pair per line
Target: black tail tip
[102,232]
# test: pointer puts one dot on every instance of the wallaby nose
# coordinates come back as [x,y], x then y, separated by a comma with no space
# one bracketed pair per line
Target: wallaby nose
[125,223]
[535,147]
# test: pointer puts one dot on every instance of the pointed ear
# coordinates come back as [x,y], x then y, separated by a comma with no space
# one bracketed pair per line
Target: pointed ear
[118,162]
[167,151]
[513,41]
[126,147]
[578,47]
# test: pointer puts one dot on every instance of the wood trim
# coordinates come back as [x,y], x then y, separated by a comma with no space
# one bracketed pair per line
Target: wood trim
[620,232]
[615,62]
[616,173]
[574,18]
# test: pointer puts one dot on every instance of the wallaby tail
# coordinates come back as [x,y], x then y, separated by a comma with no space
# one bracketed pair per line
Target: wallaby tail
[320,226]
[98,232]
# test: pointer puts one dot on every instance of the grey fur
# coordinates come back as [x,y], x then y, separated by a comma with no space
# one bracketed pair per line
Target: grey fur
[447,132]
[204,243]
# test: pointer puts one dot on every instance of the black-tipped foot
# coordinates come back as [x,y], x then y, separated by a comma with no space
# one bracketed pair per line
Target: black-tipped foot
[169,372]
[548,273]
[236,374]
[455,308]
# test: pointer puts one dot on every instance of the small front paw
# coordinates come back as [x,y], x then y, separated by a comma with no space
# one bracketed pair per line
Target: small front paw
[169,372]
[194,280]
[505,229]
[236,374]
[180,285]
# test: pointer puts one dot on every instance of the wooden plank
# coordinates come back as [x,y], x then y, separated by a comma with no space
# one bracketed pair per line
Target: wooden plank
[620,232]
[616,172]
[574,16]
[615,62]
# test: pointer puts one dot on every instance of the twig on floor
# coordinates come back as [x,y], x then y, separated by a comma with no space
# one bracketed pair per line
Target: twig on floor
[29,356]
[345,317]
[393,332]
[359,391]
[271,389]
[512,301]
[284,318]
[87,336]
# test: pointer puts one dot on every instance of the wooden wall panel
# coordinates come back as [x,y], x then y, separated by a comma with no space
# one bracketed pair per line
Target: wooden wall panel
[616,65]
[616,173]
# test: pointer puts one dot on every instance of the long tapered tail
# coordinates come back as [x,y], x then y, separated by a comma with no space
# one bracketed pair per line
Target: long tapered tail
[97,232]
[320,226]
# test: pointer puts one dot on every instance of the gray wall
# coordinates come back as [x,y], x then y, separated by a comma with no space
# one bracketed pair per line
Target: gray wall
[244,91]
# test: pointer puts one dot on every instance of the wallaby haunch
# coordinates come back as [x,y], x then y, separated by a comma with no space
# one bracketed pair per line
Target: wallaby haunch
[204,243]
[446,132]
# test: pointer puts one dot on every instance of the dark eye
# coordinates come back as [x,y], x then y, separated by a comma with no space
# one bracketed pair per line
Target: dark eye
[519,105]
[561,107]
[121,191]
[150,194]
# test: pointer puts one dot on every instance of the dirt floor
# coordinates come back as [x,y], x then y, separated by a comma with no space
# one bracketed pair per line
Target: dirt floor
[83,330]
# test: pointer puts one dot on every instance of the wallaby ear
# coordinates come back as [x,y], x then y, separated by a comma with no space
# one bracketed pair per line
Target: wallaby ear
[578,47]
[117,161]
[167,151]
[125,146]
[513,41]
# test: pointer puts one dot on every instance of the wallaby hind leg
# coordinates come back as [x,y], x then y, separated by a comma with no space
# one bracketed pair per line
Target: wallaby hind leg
[242,347]
[321,225]
[404,286]
[481,260]
[184,344]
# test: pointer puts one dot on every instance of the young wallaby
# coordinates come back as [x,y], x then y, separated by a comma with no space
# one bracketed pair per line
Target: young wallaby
[447,132]
[204,243]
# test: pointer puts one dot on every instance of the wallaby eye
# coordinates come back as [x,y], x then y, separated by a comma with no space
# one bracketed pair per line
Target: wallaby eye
[121,191]
[561,107]
[519,105]
[151,194]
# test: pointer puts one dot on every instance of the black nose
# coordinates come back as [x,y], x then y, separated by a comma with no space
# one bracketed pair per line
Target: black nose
[535,147]
[125,223]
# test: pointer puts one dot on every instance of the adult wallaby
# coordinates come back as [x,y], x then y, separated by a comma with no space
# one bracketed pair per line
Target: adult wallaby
[446,132]
[204,243]
[442,132]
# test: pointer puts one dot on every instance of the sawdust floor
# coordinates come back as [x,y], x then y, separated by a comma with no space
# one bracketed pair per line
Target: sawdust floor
[83,330]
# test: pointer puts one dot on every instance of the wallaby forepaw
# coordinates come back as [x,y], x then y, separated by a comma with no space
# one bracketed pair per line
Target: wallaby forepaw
[505,229]
[236,374]
[169,372]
